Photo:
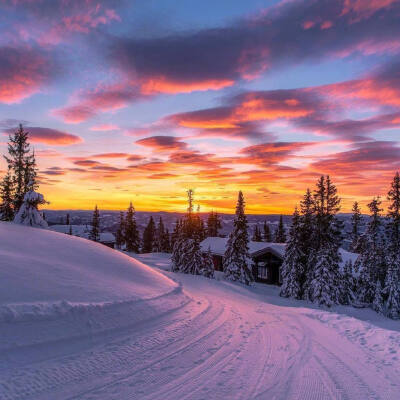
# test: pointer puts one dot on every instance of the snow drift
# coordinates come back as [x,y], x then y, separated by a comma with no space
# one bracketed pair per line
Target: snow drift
[75,285]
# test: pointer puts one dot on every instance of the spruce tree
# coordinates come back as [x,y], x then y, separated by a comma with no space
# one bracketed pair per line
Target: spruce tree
[177,253]
[213,224]
[28,213]
[149,237]
[208,265]
[67,220]
[371,262]
[280,234]
[356,219]
[392,288]
[193,259]
[266,233]
[307,227]
[348,286]
[160,236]
[176,233]
[324,287]
[166,243]
[257,234]
[21,165]
[120,234]
[6,194]
[236,258]
[293,263]
[131,233]
[378,303]
[95,231]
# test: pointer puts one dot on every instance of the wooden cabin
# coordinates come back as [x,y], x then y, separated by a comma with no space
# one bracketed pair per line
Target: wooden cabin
[266,258]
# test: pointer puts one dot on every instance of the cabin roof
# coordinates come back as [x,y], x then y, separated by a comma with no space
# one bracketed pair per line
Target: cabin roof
[217,246]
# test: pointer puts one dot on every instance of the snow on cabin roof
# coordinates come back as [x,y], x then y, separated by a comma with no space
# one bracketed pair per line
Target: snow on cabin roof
[77,230]
[107,237]
[217,246]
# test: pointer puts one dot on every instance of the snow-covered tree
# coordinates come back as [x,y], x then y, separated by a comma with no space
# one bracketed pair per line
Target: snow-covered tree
[391,289]
[192,257]
[371,262]
[6,194]
[208,265]
[21,165]
[95,231]
[28,213]
[347,294]
[356,219]
[266,233]
[177,254]
[131,233]
[378,303]
[280,234]
[392,284]
[307,240]
[236,257]
[293,263]
[324,287]
[256,234]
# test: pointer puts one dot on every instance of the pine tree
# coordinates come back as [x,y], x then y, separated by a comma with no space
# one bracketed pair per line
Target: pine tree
[208,265]
[120,234]
[166,243]
[280,234]
[21,165]
[177,254]
[324,287]
[356,219]
[131,233]
[347,295]
[149,237]
[6,194]
[193,259]
[256,234]
[176,233]
[378,303]
[392,288]
[95,231]
[160,236]
[28,213]
[236,257]
[307,227]
[372,260]
[293,263]
[67,222]
[213,224]
[266,233]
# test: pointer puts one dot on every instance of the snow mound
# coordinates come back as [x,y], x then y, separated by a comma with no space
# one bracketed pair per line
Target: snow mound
[74,285]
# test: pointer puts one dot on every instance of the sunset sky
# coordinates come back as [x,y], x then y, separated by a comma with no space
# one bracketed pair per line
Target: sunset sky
[141,100]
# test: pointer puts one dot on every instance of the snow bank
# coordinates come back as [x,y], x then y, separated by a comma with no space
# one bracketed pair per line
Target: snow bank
[54,286]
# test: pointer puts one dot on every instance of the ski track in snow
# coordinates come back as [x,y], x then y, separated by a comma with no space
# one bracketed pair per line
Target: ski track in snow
[220,342]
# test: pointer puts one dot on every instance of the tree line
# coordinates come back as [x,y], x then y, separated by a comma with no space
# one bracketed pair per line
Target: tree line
[19,199]
[313,266]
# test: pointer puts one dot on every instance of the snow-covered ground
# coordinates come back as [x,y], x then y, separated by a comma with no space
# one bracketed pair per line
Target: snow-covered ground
[81,321]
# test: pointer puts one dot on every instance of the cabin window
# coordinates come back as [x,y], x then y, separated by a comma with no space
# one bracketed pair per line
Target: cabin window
[262,272]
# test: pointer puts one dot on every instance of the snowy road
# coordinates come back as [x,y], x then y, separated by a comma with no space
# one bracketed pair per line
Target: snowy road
[222,342]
